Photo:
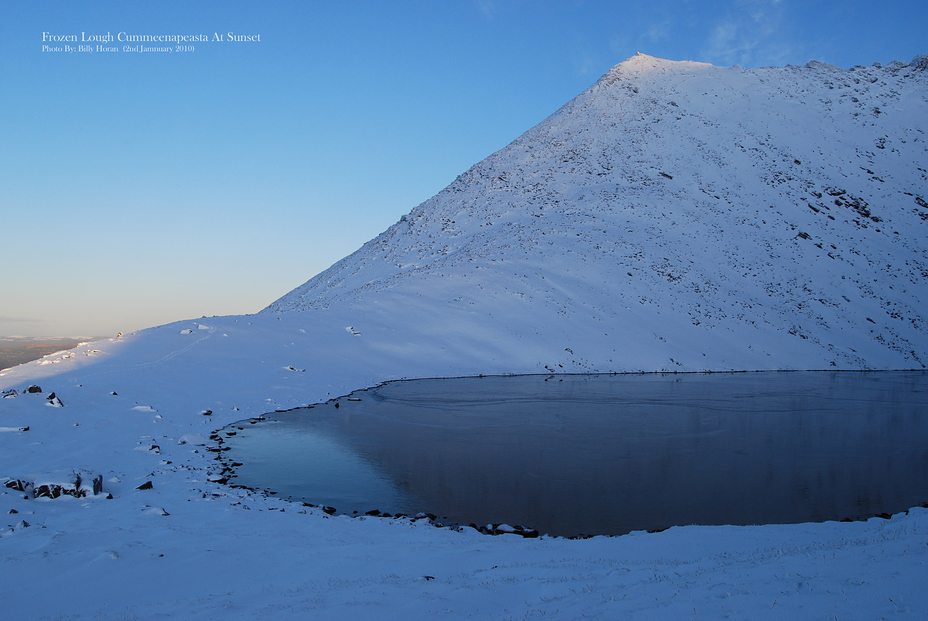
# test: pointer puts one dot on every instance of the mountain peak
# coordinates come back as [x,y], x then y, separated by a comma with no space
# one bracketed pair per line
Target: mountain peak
[642,60]
[642,64]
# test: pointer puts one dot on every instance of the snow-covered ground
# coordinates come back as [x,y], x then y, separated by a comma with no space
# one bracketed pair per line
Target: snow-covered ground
[674,244]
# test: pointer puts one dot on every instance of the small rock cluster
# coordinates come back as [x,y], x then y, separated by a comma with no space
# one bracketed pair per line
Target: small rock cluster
[72,484]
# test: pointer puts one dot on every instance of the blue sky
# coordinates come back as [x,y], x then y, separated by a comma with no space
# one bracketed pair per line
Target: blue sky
[139,189]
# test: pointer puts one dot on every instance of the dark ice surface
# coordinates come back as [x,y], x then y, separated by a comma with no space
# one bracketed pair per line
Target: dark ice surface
[606,454]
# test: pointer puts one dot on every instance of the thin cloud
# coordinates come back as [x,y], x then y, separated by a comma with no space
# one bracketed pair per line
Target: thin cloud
[658,32]
[748,35]
[21,320]
[488,8]
[491,9]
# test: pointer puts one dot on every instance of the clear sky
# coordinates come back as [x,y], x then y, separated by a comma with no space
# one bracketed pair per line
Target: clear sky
[138,189]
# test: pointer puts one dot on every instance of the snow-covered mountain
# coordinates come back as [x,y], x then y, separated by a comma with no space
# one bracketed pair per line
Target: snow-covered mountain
[677,216]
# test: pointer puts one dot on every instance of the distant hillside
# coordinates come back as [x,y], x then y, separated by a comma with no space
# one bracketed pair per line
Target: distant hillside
[20,350]
[677,216]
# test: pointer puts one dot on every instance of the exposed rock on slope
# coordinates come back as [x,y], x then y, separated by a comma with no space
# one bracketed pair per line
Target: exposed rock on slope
[677,216]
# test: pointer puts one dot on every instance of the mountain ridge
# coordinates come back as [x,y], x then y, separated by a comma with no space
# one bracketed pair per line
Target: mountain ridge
[679,216]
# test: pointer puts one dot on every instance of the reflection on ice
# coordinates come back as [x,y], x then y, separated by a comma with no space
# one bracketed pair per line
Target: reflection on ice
[606,454]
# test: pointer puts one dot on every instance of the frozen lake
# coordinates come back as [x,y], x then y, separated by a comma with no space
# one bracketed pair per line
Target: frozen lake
[604,454]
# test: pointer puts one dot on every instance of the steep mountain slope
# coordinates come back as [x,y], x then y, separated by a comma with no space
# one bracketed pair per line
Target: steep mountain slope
[678,216]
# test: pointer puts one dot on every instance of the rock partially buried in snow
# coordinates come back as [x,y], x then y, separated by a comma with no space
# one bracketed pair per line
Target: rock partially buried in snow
[44,488]
[75,483]
[192,438]
[19,485]
[506,529]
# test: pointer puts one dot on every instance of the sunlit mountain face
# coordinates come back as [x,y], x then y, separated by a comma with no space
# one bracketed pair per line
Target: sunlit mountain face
[679,216]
